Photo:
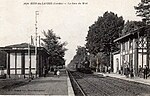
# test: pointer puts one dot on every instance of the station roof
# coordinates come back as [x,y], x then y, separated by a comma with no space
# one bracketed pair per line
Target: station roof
[132,34]
[122,37]
[23,47]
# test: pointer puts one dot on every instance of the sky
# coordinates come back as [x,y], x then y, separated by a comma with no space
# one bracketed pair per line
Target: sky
[70,19]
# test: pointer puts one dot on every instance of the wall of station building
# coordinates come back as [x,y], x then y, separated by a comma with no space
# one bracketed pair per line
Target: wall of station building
[116,62]
[16,63]
[130,56]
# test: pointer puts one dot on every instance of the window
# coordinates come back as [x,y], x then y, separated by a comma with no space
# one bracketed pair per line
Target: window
[123,46]
[130,44]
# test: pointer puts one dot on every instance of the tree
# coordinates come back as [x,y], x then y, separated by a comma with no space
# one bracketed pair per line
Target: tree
[92,61]
[55,48]
[80,56]
[102,33]
[142,10]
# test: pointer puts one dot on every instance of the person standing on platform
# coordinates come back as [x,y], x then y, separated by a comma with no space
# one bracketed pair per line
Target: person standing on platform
[140,71]
[121,69]
[145,72]
[131,73]
[109,69]
[44,71]
[58,73]
[127,71]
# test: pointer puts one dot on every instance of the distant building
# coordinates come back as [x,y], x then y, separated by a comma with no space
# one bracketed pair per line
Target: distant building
[116,62]
[134,51]
[21,60]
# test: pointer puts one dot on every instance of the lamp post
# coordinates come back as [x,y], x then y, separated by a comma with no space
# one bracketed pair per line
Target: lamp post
[36,29]
[148,48]
[29,54]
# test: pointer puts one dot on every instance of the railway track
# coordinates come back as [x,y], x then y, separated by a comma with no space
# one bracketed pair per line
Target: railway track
[134,88]
[94,85]
[100,87]
[92,88]
[76,86]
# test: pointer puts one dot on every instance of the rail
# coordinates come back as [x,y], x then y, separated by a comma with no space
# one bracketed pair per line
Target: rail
[79,87]
[94,86]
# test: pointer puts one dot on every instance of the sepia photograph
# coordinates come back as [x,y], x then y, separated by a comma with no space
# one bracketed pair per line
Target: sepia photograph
[75,47]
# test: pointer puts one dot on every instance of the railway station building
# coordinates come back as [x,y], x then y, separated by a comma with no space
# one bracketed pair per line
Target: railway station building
[22,60]
[134,51]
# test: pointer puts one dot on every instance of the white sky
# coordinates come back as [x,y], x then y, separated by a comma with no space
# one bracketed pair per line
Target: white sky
[70,22]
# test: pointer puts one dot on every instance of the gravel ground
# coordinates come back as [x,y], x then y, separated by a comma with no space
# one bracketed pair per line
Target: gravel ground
[97,85]
[51,85]
[8,83]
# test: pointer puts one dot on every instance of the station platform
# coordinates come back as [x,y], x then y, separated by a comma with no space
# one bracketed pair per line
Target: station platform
[134,79]
[50,85]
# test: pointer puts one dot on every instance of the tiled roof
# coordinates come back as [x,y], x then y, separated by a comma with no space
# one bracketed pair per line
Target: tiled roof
[22,45]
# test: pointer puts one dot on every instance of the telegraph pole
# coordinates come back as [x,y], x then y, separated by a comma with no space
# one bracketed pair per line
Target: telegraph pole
[29,59]
[36,32]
